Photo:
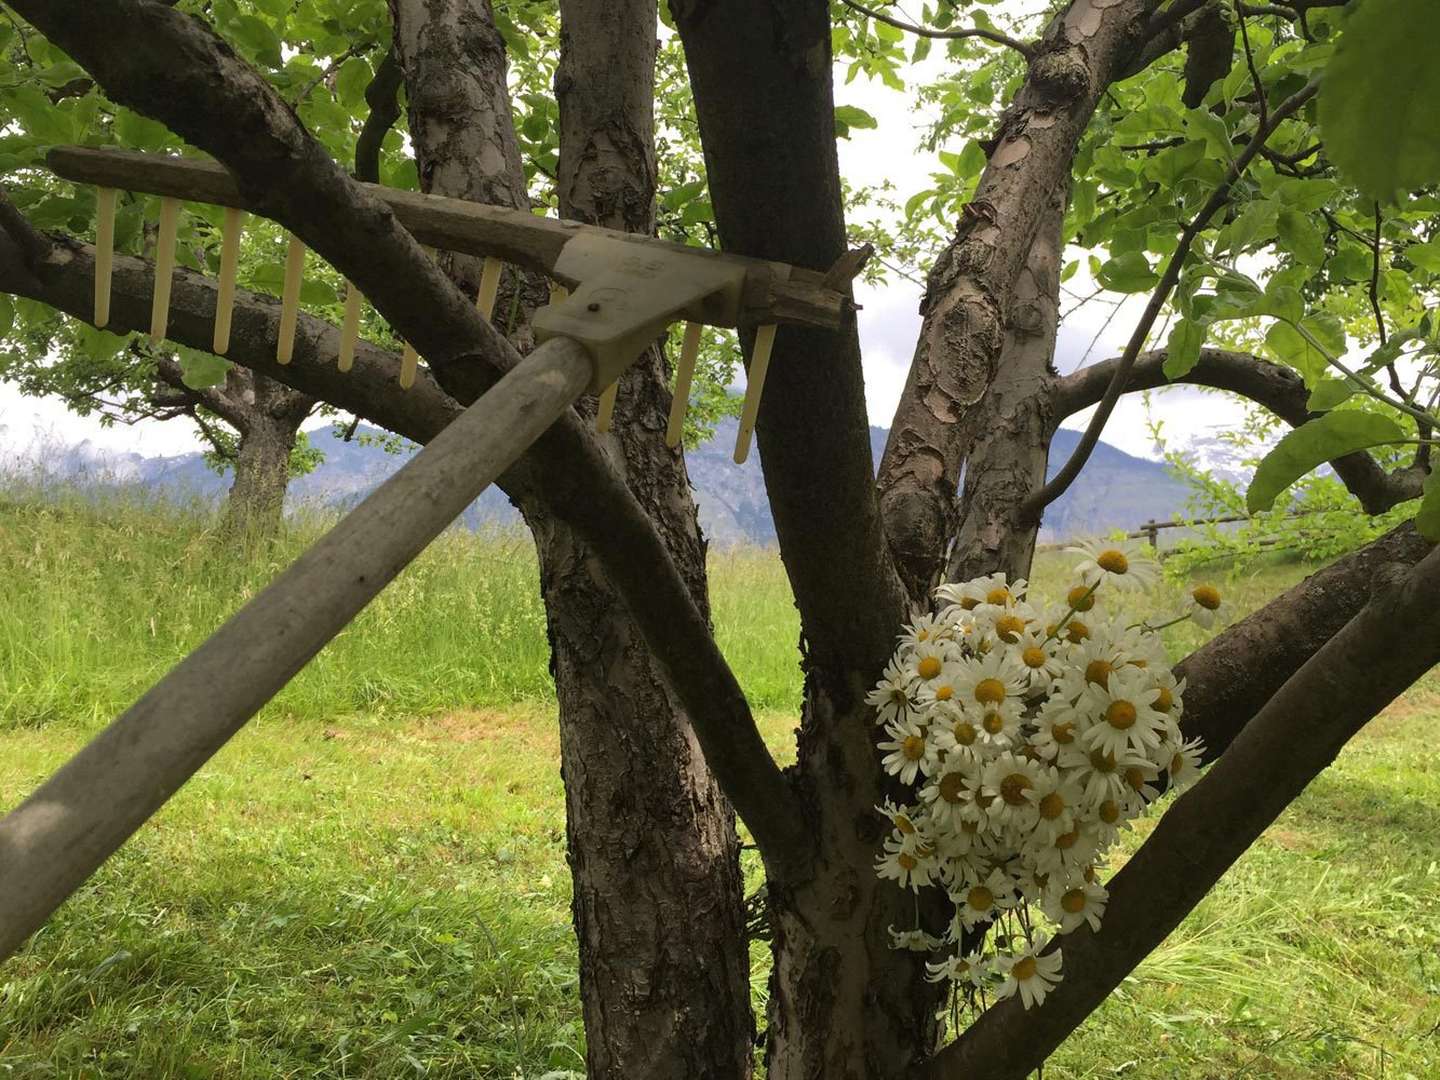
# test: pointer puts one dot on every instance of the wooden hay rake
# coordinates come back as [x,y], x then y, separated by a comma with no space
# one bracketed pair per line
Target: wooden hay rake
[613,295]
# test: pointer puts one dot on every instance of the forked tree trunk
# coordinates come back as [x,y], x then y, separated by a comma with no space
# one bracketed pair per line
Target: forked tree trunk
[664,971]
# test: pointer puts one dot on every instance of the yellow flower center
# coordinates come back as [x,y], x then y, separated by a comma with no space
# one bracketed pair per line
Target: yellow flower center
[1112,561]
[913,747]
[1109,811]
[922,635]
[1073,901]
[1063,732]
[999,596]
[1098,672]
[1013,788]
[904,824]
[1135,777]
[994,723]
[1024,969]
[1102,762]
[1052,806]
[952,787]
[969,603]
[1120,715]
[990,691]
[1033,657]
[1076,631]
[1177,763]
[980,898]
[1065,841]
[907,862]
[1009,628]
[929,667]
[944,693]
[1165,701]
[964,732]
[1080,598]
[1207,596]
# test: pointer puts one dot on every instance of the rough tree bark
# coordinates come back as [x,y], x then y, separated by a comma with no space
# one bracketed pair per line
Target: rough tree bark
[664,980]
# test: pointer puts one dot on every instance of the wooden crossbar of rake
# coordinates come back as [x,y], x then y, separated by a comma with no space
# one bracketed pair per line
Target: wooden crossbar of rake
[621,292]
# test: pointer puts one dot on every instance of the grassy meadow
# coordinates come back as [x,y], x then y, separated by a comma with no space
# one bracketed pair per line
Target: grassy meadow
[370,881]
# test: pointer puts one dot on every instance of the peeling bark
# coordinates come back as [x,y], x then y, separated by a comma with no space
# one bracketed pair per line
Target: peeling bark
[971,288]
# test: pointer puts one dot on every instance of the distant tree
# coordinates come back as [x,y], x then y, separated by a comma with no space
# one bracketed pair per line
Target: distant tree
[1177,150]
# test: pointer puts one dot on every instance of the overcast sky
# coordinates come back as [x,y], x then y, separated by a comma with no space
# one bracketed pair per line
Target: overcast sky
[889,323]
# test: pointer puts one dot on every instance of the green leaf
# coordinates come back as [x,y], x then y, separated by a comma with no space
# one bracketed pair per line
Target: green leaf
[1128,273]
[1425,256]
[849,116]
[1378,118]
[1351,263]
[1329,393]
[138,132]
[1428,519]
[199,370]
[1300,236]
[352,79]
[1183,350]
[1311,445]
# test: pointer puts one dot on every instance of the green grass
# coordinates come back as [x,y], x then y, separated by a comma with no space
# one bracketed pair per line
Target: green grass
[370,881]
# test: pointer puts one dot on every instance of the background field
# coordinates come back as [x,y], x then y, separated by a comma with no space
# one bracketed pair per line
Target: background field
[371,881]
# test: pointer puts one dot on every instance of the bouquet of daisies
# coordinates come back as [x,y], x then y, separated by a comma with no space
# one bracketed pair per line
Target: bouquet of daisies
[1029,737]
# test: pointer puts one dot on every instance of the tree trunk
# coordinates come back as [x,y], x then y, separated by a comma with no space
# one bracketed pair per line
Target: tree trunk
[271,424]
[664,974]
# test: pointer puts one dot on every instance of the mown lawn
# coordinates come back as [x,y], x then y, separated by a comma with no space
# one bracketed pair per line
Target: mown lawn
[370,880]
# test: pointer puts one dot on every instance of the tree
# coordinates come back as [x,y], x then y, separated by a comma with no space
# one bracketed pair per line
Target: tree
[1090,144]
[250,424]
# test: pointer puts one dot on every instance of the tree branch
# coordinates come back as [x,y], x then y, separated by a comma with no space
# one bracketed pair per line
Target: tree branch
[776,190]
[1379,653]
[971,288]
[1279,389]
[173,68]
[1058,484]
[383,97]
[942,35]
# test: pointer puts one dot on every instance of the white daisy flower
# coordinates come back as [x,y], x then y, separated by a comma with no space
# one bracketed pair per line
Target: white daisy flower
[1081,902]
[990,682]
[1125,715]
[1184,766]
[1100,774]
[928,659]
[943,687]
[906,747]
[909,861]
[1069,853]
[951,792]
[954,732]
[891,697]
[1057,726]
[1038,657]
[1126,564]
[905,819]
[1011,780]
[1058,800]
[962,970]
[991,589]
[916,940]
[1204,605]
[985,899]
[1029,973]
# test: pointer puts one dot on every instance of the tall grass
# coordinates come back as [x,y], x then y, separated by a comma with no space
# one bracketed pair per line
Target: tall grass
[106,589]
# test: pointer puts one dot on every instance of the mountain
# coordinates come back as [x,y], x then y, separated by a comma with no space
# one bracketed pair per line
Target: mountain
[1115,490]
